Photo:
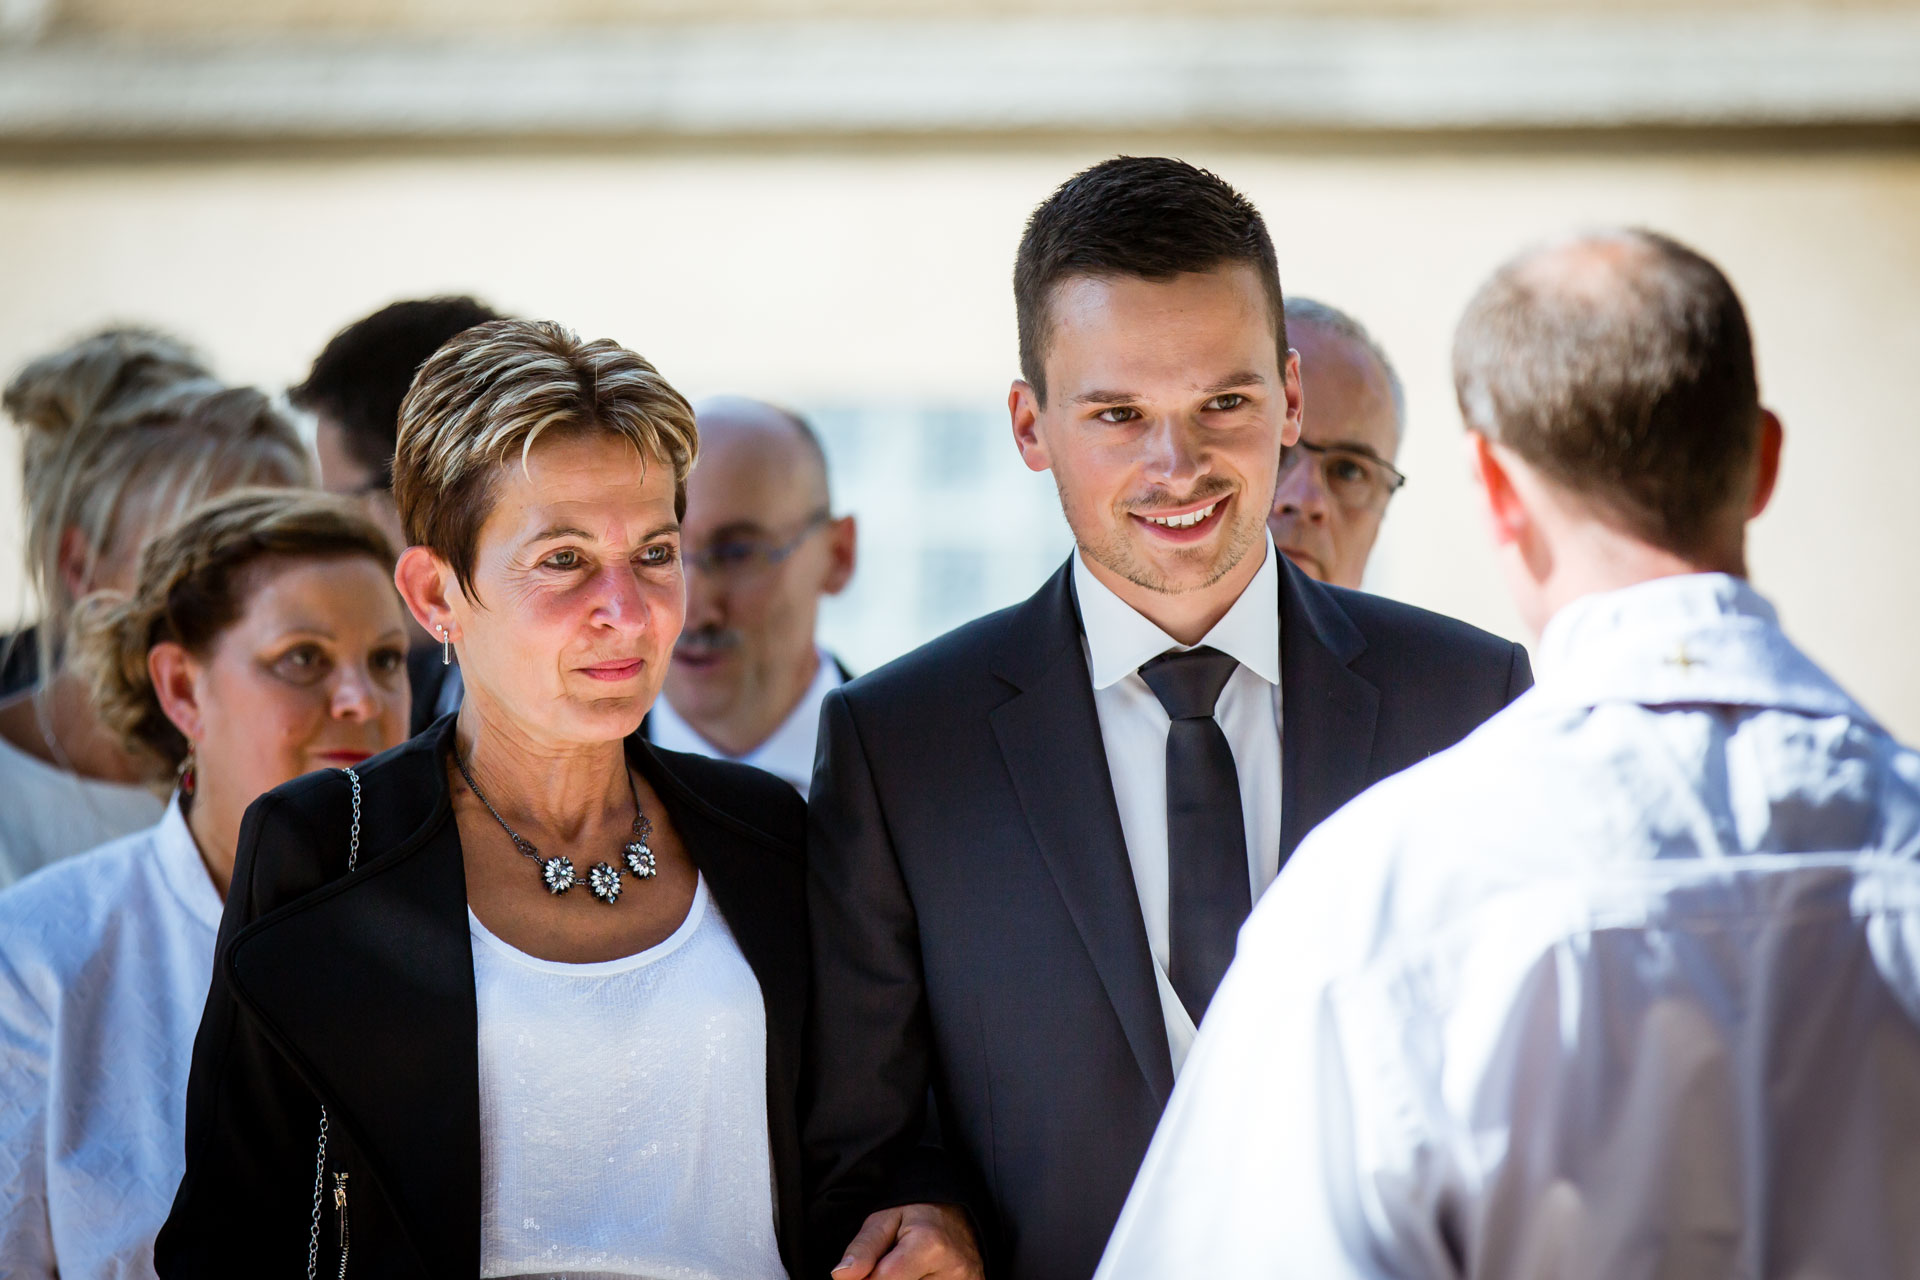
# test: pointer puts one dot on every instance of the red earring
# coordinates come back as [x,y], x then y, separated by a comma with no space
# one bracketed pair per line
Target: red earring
[184,773]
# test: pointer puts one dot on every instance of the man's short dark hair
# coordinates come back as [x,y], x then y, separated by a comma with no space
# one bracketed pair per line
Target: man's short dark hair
[1621,367]
[361,377]
[1144,216]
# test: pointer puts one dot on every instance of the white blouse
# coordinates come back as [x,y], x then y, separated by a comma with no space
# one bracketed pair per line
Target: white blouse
[105,959]
[623,1117]
[47,813]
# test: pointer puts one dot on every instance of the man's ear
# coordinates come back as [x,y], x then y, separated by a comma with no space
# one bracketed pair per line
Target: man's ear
[1766,470]
[176,686]
[1023,405]
[843,545]
[1506,515]
[428,586]
[1295,394]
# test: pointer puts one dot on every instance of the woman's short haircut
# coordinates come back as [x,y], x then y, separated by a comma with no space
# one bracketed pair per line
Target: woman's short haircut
[196,578]
[483,401]
[125,430]
[1620,366]
[361,377]
[1145,216]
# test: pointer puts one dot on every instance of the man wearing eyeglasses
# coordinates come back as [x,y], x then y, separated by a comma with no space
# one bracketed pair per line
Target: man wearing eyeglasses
[1336,481]
[761,547]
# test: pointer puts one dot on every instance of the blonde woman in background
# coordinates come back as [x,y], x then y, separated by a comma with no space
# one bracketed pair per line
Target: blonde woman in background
[123,431]
[265,640]
[93,380]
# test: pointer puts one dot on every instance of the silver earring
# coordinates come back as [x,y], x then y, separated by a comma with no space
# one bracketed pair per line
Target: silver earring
[446,648]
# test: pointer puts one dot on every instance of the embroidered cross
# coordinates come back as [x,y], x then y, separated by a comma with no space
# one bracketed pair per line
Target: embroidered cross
[1683,660]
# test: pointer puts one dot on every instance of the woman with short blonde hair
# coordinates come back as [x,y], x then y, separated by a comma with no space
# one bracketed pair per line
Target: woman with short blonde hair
[263,640]
[580,1055]
[123,431]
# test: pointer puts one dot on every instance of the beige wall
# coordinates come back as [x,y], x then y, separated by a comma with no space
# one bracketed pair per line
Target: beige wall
[847,276]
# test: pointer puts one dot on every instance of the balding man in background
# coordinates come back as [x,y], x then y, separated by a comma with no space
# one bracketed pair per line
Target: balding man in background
[1336,481]
[1626,985]
[762,547]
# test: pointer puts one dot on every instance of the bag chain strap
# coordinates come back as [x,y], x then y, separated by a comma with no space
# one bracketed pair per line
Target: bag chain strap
[320,1156]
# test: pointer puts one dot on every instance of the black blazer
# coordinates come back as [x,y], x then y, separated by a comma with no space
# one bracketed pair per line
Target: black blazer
[357,991]
[976,934]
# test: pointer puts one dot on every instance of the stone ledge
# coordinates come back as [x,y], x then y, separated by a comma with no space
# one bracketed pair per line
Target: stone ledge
[984,78]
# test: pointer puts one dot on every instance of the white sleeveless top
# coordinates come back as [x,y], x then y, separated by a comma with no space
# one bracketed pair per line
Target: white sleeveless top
[623,1111]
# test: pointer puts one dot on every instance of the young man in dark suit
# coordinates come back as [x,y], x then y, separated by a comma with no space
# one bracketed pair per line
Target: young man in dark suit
[1032,841]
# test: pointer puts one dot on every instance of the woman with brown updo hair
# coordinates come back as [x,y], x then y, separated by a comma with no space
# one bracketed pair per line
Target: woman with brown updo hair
[265,640]
[122,432]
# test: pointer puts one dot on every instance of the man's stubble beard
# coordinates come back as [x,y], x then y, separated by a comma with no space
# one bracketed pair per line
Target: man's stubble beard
[1115,552]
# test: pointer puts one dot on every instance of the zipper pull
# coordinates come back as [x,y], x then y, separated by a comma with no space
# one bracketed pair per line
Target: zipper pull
[340,1203]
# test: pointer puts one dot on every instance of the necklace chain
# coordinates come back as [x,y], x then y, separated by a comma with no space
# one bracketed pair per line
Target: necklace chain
[44,719]
[603,878]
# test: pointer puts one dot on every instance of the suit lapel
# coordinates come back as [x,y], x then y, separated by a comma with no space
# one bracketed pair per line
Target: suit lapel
[1327,711]
[385,1030]
[1049,734]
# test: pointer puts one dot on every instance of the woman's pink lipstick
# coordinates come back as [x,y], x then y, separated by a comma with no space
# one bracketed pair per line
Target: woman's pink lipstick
[615,671]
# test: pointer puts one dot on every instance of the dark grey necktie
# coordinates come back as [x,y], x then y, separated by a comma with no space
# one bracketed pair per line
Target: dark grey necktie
[1206,835]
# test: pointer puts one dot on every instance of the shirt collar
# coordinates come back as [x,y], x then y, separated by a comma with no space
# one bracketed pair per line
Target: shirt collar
[1703,638]
[1120,638]
[788,751]
[183,868]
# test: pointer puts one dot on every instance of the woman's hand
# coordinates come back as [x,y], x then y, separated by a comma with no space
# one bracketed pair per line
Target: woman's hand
[913,1242]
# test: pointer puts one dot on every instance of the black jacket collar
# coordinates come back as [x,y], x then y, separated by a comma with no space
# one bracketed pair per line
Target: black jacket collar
[1049,734]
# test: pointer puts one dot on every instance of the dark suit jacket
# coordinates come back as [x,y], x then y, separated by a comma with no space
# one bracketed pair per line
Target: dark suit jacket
[426,675]
[357,991]
[977,938]
[19,661]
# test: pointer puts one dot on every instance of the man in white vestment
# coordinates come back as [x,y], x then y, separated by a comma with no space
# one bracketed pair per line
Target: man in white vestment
[1626,984]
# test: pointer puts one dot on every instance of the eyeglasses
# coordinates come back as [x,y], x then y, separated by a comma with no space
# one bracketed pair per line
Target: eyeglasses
[739,559]
[1357,481]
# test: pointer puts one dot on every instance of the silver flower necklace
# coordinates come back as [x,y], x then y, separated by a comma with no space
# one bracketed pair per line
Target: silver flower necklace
[603,878]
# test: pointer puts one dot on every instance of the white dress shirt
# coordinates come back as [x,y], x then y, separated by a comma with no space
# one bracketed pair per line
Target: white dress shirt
[787,753]
[105,959]
[1625,985]
[1133,727]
